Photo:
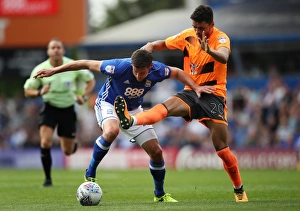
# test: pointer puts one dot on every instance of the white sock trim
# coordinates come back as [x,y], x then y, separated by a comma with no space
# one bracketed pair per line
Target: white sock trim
[134,121]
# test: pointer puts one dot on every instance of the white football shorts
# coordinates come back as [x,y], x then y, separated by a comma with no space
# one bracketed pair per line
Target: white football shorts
[139,133]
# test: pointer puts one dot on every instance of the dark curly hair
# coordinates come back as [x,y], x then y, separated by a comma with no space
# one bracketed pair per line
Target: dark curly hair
[203,13]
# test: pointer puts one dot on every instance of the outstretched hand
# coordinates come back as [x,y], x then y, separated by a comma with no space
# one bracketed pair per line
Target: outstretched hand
[44,73]
[204,89]
[204,43]
[148,47]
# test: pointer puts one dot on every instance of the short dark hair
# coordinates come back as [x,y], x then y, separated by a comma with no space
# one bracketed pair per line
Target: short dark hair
[55,39]
[203,13]
[141,58]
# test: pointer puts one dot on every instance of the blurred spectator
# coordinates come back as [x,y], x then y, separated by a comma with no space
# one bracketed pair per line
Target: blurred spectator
[284,133]
[275,94]
[198,135]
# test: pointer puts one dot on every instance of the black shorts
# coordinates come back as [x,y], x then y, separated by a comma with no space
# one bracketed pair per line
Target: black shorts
[63,118]
[207,107]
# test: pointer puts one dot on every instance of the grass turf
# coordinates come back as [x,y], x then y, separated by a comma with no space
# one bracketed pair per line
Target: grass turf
[133,189]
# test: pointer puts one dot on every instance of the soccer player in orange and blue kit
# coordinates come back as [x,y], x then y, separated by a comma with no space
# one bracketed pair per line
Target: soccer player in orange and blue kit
[206,51]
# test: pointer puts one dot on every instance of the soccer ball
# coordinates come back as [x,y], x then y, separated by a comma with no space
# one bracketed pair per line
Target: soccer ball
[89,194]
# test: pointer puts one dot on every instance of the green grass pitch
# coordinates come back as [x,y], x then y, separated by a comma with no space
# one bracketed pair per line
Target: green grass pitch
[133,190]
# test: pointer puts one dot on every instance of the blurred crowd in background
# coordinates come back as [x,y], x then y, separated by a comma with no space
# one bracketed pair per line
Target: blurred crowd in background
[258,118]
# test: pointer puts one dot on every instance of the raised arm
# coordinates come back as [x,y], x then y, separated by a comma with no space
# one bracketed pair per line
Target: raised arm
[221,55]
[158,45]
[92,65]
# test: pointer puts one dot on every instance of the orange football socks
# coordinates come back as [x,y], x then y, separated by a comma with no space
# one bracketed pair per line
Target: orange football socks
[231,166]
[151,116]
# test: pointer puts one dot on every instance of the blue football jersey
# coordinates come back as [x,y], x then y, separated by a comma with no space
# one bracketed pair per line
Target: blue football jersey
[121,81]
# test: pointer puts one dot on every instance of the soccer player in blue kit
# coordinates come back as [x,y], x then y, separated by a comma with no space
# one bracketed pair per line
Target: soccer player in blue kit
[131,78]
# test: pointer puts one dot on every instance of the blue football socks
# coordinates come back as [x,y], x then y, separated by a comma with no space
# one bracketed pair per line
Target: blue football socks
[101,148]
[158,172]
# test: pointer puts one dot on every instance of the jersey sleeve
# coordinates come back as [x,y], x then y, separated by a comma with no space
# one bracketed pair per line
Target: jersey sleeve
[223,41]
[177,41]
[161,71]
[114,67]
[82,78]
[85,75]
[32,83]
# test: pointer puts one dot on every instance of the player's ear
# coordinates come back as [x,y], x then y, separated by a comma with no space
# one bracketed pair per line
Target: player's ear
[151,65]
[48,52]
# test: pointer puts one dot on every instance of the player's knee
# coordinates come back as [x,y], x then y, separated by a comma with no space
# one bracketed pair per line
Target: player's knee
[156,154]
[110,135]
[45,143]
[68,152]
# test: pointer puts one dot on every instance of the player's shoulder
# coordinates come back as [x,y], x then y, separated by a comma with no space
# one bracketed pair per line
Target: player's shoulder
[220,33]
[123,63]
[67,60]
[160,69]
[158,65]
[185,33]
[117,66]
[219,38]
[44,64]
[125,60]
[118,61]
[188,32]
